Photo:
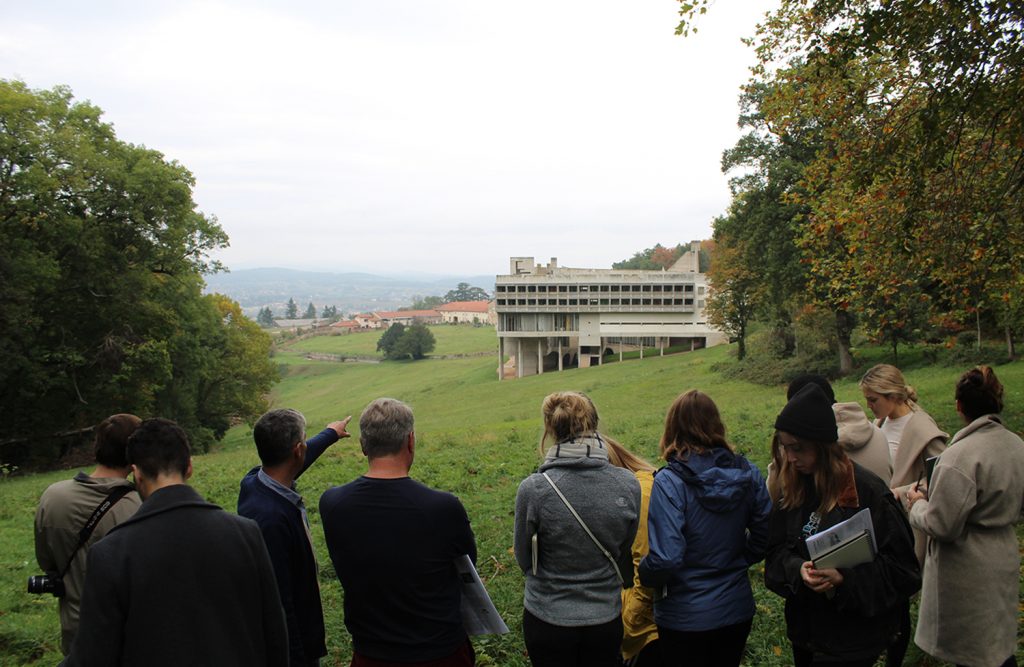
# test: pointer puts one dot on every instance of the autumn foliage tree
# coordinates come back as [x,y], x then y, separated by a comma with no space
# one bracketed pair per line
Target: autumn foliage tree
[920,193]
[899,132]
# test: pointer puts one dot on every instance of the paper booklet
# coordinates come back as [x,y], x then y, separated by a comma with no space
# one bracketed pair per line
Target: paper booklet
[851,553]
[856,528]
[479,616]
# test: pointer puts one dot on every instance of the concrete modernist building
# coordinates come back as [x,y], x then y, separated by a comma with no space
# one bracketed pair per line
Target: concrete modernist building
[551,317]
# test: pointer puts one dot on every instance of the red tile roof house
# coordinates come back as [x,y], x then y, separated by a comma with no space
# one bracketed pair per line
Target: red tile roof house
[407,317]
[467,312]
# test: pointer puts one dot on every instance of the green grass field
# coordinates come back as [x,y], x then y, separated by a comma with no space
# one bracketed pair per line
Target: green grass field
[477,438]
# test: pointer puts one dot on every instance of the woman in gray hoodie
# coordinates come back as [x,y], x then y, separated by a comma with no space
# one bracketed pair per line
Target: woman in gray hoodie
[575,560]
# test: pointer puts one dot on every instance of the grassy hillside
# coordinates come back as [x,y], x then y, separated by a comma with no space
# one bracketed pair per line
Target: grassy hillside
[477,438]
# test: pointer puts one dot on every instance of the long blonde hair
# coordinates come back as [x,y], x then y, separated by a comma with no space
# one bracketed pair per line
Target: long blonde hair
[567,415]
[888,381]
[621,457]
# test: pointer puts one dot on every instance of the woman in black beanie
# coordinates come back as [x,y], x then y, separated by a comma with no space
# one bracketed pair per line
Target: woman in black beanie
[845,616]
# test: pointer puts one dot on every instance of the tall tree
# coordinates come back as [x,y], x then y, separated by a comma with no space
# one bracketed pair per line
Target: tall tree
[101,254]
[291,310]
[389,339]
[417,342]
[735,290]
[465,292]
[310,313]
[265,318]
[425,303]
[921,193]
[652,259]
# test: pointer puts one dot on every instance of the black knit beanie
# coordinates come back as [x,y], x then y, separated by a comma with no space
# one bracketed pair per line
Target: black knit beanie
[809,415]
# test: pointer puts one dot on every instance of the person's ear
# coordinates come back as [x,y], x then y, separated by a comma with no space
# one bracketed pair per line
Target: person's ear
[188,471]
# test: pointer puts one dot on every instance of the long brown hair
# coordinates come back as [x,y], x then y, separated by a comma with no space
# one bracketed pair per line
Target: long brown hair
[567,415]
[692,424]
[829,477]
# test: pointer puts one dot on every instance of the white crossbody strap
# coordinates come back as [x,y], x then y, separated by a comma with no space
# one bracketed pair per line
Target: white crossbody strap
[585,527]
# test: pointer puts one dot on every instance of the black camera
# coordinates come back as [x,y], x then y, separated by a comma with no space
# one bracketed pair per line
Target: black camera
[44,583]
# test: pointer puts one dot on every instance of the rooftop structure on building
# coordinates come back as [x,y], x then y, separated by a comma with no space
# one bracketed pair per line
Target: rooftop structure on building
[552,317]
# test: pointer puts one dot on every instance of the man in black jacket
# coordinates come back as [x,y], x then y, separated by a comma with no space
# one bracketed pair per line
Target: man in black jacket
[182,582]
[268,497]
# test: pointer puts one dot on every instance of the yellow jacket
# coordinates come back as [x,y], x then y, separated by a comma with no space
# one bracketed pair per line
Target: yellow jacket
[638,628]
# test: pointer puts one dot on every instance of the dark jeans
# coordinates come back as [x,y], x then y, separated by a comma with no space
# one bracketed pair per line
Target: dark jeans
[805,658]
[721,647]
[649,656]
[565,646]
[463,657]
[898,649]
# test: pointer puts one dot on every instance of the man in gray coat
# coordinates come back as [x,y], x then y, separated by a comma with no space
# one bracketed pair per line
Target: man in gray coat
[182,582]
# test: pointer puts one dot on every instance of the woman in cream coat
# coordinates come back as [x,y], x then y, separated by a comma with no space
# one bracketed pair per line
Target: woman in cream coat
[969,598]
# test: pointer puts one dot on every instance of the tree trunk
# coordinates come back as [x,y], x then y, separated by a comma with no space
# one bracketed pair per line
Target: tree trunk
[741,344]
[977,324]
[1011,348]
[844,328]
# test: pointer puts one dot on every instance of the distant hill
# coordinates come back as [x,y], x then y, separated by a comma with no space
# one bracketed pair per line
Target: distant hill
[350,292]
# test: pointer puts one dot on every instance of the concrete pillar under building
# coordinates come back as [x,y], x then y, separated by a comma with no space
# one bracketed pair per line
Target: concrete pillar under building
[661,344]
[559,354]
[620,348]
[692,342]
[600,351]
[540,357]
[641,348]
[501,358]
[519,357]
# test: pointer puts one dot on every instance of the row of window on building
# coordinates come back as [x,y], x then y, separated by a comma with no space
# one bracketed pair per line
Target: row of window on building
[568,322]
[597,302]
[678,287]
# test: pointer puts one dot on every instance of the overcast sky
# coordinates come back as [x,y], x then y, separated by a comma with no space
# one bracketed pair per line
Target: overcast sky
[408,136]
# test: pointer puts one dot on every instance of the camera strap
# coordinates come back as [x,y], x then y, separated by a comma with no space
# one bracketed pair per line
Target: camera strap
[97,514]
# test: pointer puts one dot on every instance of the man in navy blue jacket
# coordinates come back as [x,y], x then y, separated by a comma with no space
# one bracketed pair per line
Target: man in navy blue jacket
[268,496]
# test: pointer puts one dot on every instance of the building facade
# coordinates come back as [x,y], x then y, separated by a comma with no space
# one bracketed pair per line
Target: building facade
[468,312]
[552,318]
[407,317]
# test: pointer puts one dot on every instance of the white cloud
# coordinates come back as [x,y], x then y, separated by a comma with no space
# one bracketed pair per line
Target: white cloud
[453,133]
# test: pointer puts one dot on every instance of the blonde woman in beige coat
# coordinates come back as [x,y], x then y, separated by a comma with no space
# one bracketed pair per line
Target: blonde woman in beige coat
[969,599]
[913,436]
[912,433]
